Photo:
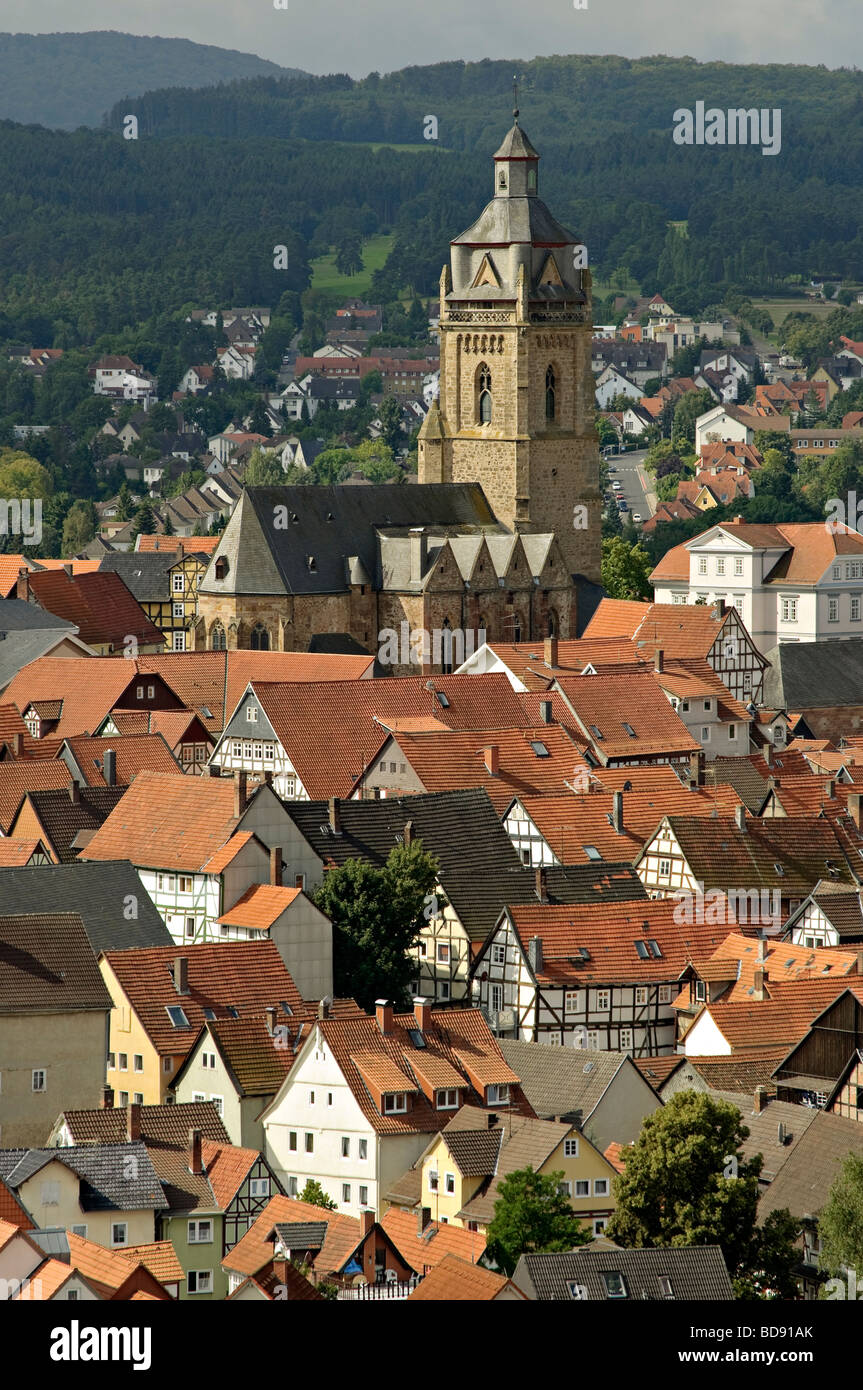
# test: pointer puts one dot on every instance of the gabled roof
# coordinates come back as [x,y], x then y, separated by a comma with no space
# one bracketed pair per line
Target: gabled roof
[99,604]
[114,1177]
[455,1280]
[248,976]
[245,1045]
[92,892]
[161,1126]
[19,778]
[66,823]
[438,1240]
[608,703]
[530,761]
[168,822]
[781,1019]
[254,1251]
[260,906]
[814,675]
[719,853]
[85,689]
[564,1081]
[108,1270]
[781,961]
[804,1181]
[47,966]
[697,1272]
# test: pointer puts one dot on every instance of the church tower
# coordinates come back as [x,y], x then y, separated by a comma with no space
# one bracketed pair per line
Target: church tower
[516,390]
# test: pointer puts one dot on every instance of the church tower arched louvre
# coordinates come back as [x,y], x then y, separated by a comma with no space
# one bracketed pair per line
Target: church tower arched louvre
[517,393]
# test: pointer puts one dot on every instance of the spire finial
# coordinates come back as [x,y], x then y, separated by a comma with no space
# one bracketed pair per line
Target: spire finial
[515,98]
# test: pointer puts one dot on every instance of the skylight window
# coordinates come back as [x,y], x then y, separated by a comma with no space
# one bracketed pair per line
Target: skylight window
[539,749]
[780,870]
[629,729]
[597,733]
[209,1015]
[206,711]
[584,953]
[177,1016]
[643,952]
[442,699]
[417,1038]
[231,1011]
[654,946]
[591,851]
[286,1008]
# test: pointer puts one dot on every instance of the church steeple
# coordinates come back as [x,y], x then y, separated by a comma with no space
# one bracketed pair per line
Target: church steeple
[516,165]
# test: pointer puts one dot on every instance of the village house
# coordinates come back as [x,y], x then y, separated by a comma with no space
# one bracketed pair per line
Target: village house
[697,1273]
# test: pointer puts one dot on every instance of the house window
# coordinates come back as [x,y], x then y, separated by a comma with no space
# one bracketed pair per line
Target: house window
[124,1061]
[855,608]
[446,1100]
[665,994]
[119,1233]
[364,1148]
[498,955]
[177,582]
[665,1286]
[702,564]
[49,1194]
[199,1281]
[641,995]
[599,1226]
[38,1079]
[565,1188]
[789,610]
[625,1044]
[582,1187]
[151,692]
[200,1232]
[577,1291]
[395,1103]
[705,733]
[184,883]
[346,1146]
[615,1284]
[259,1187]
[178,610]
[570,1148]
[449,1183]
[138,1061]
[600,1187]
[498,1095]
[720,564]
[433,1179]
[732,731]
[292,1140]
[664,868]
[833,608]
[496,998]
[700,991]
[251,714]
[554,1037]
[292,1187]
[603,999]
[310,1143]
[112,1061]
[443,989]
[168,1064]
[738,565]
[311,1097]
[364,1196]
[570,1001]
[346,1192]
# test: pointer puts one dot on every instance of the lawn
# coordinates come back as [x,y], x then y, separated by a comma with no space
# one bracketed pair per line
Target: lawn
[325,276]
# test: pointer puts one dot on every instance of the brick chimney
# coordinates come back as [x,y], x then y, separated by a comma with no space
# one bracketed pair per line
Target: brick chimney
[617,811]
[550,651]
[408,834]
[133,1122]
[423,1219]
[758,979]
[109,767]
[658,660]
[74,793]
[180,973]
[107,1098]
[384,1015]
[854,808]
[740,817]
[542,883]
[324,1007]
[534,954]
[719,604]
[271,1019]
[335,817]
[761,954]
[367,1223]
[760,1099]
[696,767]
[280,1271]
[422,1013]
[545,711]
[241,782]
[491,754]
[17,744]
[22,585]
[276,866]
[196,1162]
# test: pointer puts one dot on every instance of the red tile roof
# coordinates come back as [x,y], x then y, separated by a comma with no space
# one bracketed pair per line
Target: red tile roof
[780,1020]
[99,603]
[452,760]
[438,1241]
[134,753]
[608,703]
[260,906]
[17,779]
[454,1280]
[166,822]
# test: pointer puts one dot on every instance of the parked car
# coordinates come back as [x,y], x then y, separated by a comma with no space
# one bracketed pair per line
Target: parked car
[616,485]
[622,504]
[636,516]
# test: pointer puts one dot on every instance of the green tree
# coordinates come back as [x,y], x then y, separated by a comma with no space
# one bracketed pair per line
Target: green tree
[686,412]
[22,476]
[531,1215]
[259,422]
[686,1182]
[124,502]
[349,256]
[377,914]
[625,569]
[314,1193]
[391,422]
[840,1223]
[263,470]
[79,528]
[145,519]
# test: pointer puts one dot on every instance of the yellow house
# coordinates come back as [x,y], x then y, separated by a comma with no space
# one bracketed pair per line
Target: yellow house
[462,1167]
[129,1192]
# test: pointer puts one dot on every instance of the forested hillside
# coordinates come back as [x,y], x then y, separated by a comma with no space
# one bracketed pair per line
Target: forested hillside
[68,80]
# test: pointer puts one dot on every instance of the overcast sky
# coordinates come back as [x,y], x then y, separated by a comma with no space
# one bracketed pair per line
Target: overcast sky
[360,36]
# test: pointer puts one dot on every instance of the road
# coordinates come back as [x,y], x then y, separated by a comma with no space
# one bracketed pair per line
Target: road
[635,484]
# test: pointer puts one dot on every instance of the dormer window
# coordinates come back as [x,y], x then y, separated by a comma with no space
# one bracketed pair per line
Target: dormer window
[446,1099]
[221,567]
[396,1103]
[497,1095]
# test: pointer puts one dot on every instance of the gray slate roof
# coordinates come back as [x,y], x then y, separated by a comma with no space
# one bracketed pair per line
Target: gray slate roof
[144,572]
[26,633]
[804,1182]
[64,820]
[326,524]
[564,1081]
[115,1177]
[97,891]
[480,871]
[46,966]
[697,1272]
[301,1235]
[814,675]
[764,1129]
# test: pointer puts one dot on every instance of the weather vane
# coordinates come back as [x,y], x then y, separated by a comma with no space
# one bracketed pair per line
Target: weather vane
[515,97]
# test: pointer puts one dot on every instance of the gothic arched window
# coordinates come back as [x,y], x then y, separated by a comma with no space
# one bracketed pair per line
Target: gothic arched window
[484,394]
[550,395]
[260,638]
[552,623]
[217,638]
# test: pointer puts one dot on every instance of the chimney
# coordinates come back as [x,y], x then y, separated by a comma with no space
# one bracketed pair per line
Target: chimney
[324,1007]
[719,604]
[384,1015]
[335,817]
[761,955]
[276,866]
[280,1271]
[617,811]
[542,883]
[760,1099]
[491,755]
[423,1219]
[768,754]
[419,553]
[195,1160]
[658,660]
[545,711]
[133,1122]
[213,770]
[422,1013]
[758,985]
[22,585]
[740,817]
[367,1222]
[854,808]
[829,789]
[74,793]
[67,567]
[550,651]
[181,974]
[534,954]
[17,743]
[696,767]
[271,1019]
[241,782]
[107,1100]
[408,835]
[109,767]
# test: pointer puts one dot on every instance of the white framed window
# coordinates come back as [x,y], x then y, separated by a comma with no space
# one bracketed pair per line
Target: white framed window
[498,955]
[124,1061]
[138,1061]
[720,564]
[788,610]
[496,998]
[641,995]
[449,1183]
[168,1064]
[151,692]
[582,1187]
[446,1099]
[38,1079]
[554,1037]
[219,1103]
[199,1095]
[625,1044]
[855,608]
[592,1039]
[185,883]
[600,1187]
[599,1225]
[200,1280]
[310,1143]
[665,994]
[138,1097]
[603,999]
[443,989]
[364,1148]
[396,1103]
[178,610]
[252,714]
[346,1146]
[702,564]
[443,951]
[200,1232]
[498,1095]
[433,1179]
[119,1233]
[833,608]
[738,564]
[570,1148]
[664,868]
[177,583]
[79,1231]
[570,1001]
[364,1196]
[346,1192]
[565,1188]
[259,1187]
[837,571]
